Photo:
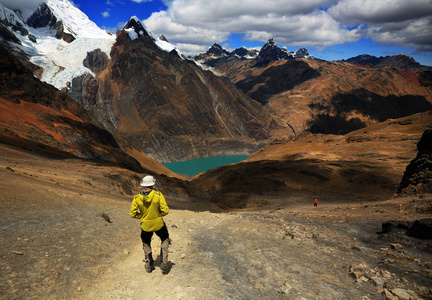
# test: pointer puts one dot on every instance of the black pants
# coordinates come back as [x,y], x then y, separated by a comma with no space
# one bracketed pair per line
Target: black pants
[146,236]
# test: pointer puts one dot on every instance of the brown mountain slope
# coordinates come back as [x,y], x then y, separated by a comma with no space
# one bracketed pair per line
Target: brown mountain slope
[169,108]
[37,116]
[364,164]
[328,97]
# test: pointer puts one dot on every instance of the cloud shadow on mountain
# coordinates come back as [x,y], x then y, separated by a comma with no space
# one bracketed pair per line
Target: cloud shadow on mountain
[334,117]
[277,79]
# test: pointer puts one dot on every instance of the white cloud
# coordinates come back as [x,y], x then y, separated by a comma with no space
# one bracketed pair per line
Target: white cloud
[27,7]
[398,22]
[191,49]
[121,24]
[303,23]
[160,23]
[18,4]
[105,14]
[197,12]
[416,34]
[110,29]
[292,23]
[379,12]
[141,1]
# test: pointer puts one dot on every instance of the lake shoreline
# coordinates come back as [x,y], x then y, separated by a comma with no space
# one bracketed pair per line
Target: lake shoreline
[199,165]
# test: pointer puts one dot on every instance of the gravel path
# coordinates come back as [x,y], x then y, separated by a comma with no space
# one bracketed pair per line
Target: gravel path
[55,244]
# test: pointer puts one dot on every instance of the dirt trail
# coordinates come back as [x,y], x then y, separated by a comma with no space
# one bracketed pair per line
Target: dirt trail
[252,255]
[54,244]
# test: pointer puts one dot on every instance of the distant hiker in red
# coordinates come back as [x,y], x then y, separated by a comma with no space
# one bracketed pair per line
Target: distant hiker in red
[150,206]
[316,203]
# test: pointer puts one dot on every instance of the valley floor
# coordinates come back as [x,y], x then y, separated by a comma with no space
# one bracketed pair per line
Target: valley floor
[55,244]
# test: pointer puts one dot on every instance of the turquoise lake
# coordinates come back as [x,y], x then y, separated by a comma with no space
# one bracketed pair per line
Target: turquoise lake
[199,165]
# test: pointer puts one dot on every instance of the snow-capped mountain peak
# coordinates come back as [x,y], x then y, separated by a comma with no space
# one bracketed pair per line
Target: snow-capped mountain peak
[271,51]
[163,44]
[74,20]
[135,28]
[57,37]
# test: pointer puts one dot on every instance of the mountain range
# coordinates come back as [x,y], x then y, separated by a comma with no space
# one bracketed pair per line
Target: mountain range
[151,104]
[269,51]
[85,114]
[138,88]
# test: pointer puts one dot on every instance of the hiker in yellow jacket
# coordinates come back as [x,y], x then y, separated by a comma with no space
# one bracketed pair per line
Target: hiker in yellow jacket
[150,206]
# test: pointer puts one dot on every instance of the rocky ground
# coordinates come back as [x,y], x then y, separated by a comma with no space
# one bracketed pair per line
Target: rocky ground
[66,234]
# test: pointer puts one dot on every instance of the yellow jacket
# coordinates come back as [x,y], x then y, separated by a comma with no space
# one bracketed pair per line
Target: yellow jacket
[149,209]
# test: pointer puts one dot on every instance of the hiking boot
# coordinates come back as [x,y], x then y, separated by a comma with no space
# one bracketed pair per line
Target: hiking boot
[165,268]
[149,263]
[149,267]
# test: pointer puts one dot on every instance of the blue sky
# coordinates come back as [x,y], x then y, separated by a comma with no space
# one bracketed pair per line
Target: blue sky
[329,29]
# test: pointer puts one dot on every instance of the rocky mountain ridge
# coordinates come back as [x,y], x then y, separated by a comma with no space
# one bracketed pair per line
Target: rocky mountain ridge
[400,62]
[270,51]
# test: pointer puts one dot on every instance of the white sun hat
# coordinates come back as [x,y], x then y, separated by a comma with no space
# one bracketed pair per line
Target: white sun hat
[148,180]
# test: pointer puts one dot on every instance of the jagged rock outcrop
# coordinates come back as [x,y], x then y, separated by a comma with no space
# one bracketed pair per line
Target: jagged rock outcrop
[7,35]
[244,53]
[43,17]
[84,89]
[417,178]
[421,229]
[215,51]
[96,60]
[9,19]
[136,25]
[61,34]
[271,51]
[301,53]
[163,38]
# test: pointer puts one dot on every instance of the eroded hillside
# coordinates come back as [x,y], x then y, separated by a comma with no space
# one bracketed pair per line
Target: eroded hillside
[328,97]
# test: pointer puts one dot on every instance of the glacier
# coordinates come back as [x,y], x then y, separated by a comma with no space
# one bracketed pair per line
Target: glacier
[62,61]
